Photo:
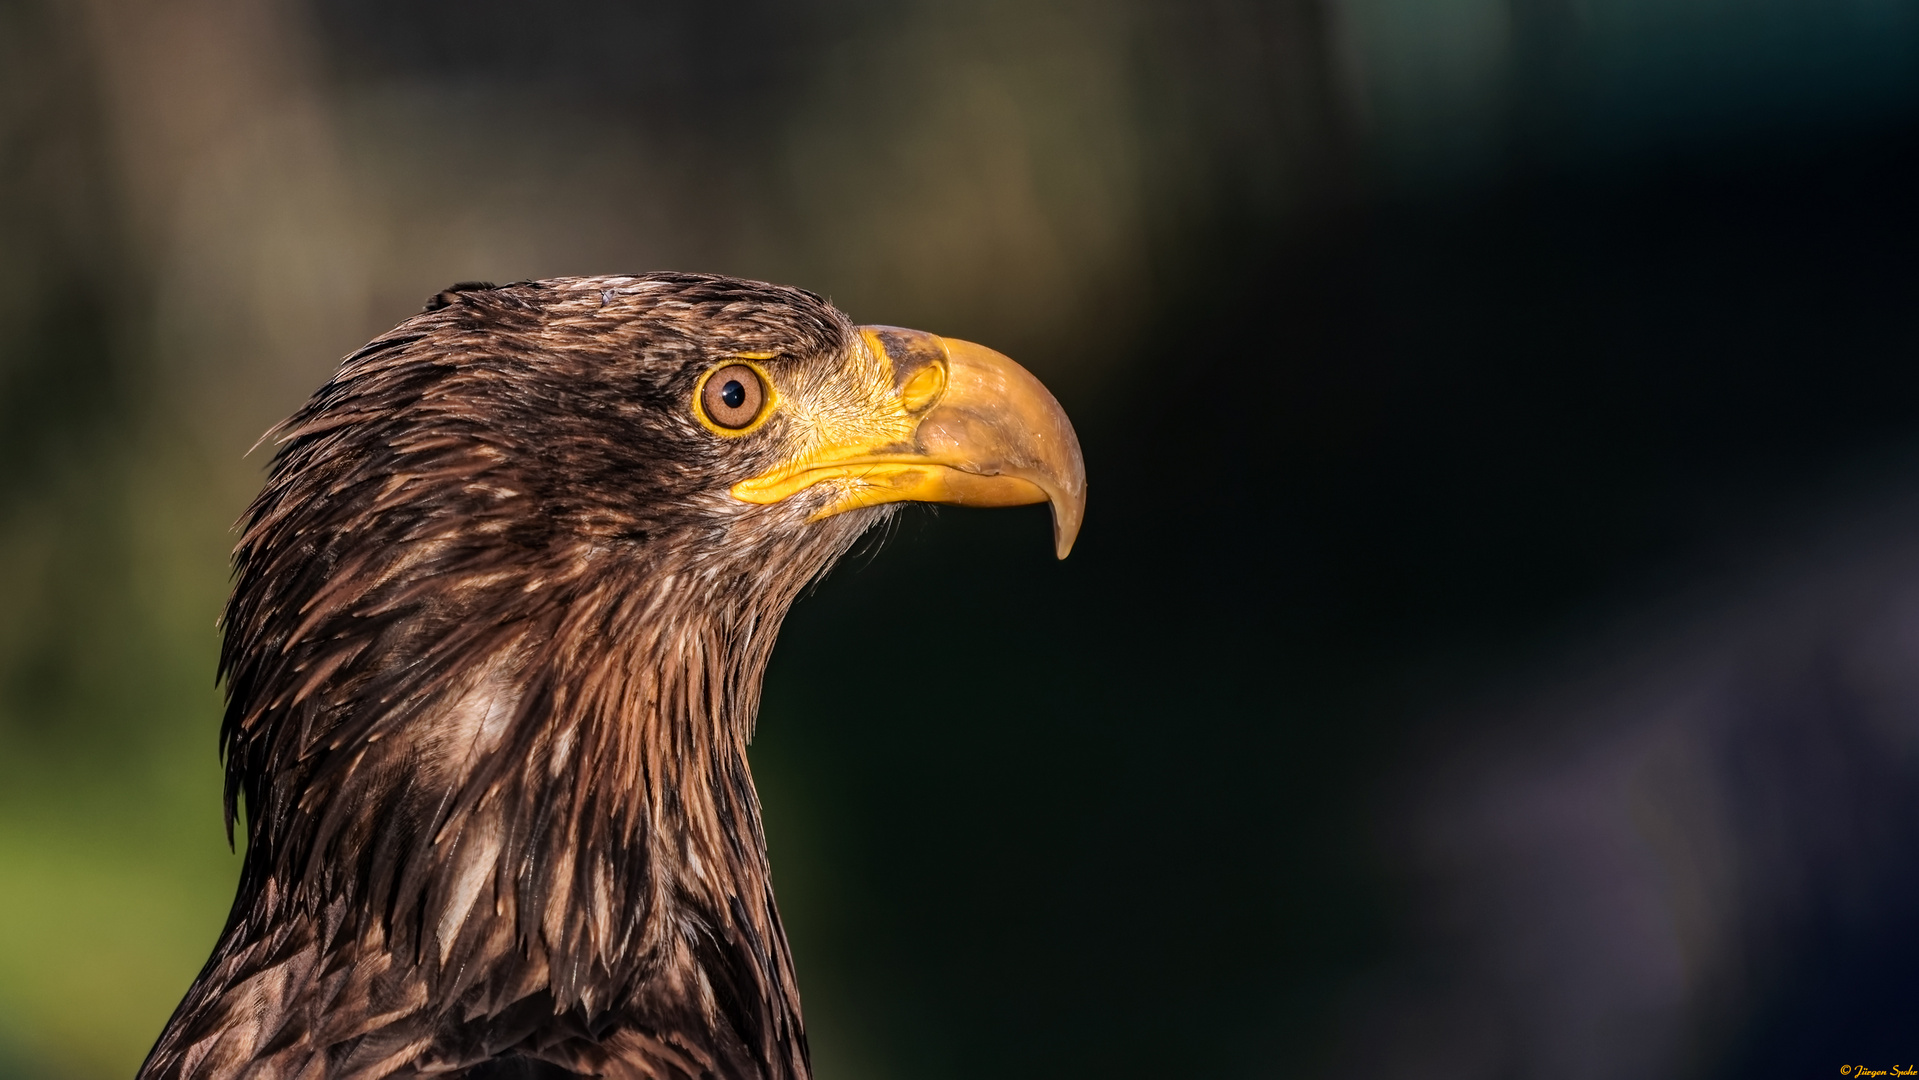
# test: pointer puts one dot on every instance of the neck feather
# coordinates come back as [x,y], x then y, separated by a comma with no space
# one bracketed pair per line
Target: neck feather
[528,821]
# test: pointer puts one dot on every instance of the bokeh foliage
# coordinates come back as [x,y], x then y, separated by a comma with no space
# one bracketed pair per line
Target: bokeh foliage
[1412,343]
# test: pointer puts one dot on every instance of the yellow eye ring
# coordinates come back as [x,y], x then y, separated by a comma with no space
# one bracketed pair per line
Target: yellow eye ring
[734,398]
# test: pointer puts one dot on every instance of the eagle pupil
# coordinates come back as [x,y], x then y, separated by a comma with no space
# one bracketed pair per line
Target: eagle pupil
[733,393]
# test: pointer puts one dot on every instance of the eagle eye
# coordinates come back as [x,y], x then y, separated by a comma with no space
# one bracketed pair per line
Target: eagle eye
[733,397]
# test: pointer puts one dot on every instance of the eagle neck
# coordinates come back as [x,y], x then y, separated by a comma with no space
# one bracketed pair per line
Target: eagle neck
[655,683]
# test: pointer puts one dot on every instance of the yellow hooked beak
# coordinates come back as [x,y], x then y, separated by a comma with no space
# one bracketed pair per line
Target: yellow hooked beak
[950,422]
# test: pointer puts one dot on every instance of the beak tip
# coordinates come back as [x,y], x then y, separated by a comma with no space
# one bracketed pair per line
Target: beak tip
[1066,527]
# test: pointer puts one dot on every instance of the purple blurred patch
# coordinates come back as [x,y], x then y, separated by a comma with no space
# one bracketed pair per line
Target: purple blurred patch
[1695,853]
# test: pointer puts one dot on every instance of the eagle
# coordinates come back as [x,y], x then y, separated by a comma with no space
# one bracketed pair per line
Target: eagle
[493,656]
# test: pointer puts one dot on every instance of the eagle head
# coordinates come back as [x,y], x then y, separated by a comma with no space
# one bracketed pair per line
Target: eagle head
[493,656]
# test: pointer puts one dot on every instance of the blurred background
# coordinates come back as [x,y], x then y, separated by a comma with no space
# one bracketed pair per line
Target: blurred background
[1493,649]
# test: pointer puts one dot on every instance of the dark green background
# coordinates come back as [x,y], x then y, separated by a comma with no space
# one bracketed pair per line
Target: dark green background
[1485,654]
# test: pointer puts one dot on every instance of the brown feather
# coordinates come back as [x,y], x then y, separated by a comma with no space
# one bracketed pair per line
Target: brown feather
[492,660]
